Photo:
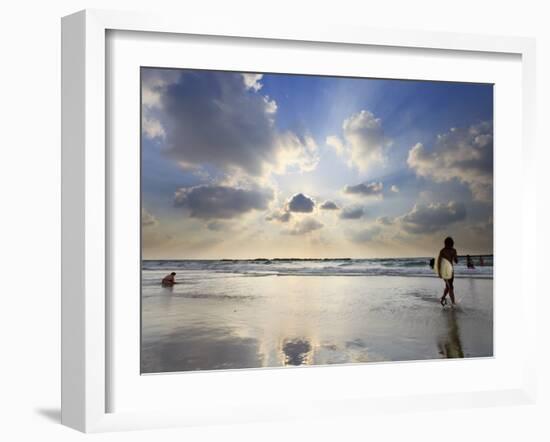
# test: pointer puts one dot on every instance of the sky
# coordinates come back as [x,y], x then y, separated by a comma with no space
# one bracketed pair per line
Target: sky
[248,165]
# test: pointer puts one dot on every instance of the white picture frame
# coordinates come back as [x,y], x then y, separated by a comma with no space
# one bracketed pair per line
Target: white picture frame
[85,201]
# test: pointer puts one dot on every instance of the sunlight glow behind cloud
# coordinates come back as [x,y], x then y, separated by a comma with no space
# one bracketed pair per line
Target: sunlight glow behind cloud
[248,164]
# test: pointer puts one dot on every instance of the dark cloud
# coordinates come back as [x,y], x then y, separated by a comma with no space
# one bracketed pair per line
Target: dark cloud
[304,226]
[211,202]
[219,119]
[300,203]
[465,154]
[282,216]
[432,217]
[364,189]
[353,212]
[329,205]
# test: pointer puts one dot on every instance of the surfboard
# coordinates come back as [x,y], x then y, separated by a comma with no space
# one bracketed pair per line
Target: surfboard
[446,269]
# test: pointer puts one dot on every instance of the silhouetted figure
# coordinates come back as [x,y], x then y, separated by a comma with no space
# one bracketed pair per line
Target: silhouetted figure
[469,262]
[449,253]
[481,262]
[169,280]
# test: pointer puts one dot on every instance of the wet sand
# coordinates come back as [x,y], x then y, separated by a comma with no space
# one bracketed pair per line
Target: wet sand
[233,321]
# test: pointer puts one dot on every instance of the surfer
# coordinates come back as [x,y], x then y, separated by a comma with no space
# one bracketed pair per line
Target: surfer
[469,262]
[449,253]
[169,280]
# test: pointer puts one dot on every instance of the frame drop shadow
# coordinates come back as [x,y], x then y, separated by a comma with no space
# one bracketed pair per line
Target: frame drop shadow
[51,414]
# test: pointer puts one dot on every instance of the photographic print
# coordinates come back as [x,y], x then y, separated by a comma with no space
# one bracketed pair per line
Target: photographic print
[291,220]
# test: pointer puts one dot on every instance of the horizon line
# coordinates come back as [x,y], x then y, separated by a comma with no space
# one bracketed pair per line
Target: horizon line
[306,259]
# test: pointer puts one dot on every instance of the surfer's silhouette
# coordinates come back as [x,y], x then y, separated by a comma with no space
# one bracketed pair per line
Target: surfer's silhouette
[449,253]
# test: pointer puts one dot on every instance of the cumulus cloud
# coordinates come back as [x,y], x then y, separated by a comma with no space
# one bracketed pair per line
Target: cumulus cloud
[153,83]
[216,201]
[354,212]
[294,152]
[364,141]
[464,154]
[336,143]
[282,216]
[329,205]
[304,226]
[429,218]
[300,203]
[222,120]
[252,81]
[364,189]
[152,128]
[147,219]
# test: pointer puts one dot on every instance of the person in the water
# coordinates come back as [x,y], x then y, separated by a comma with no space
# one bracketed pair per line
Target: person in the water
[169,280]
[449,253]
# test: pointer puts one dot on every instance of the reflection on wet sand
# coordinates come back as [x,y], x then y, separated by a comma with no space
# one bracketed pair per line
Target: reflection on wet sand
[232,323]
[297,352]
[450,346]
[198,349]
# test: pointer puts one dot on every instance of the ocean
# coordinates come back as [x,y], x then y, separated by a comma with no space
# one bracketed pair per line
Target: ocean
[319,267]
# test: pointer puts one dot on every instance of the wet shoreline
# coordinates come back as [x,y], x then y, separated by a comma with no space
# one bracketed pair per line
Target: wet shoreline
[227,322]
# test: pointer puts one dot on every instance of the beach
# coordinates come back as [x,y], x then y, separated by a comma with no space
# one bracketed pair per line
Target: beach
[272,313]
